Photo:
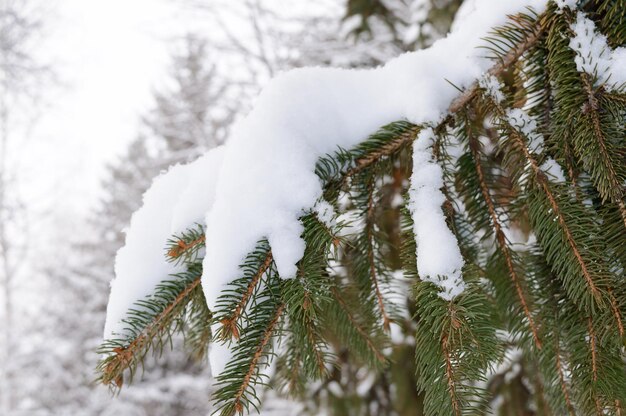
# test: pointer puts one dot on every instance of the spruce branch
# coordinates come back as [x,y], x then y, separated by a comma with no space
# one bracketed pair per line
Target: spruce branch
[369,229]
[314,340]
[602,168]
[393,146]
[337,169]
[562,379]
[532,36]
[456,341]
[185,248]
[616,312]
[148,326]
[238,400]
[198,333]
[230,323]
[555,359]
[615,96]
[358,327]
[456,406]
[305,355]
[345,164]
[501,238]
[611,17]
[520,145]
[593,348]
[454,345]
[251,353]
[309,293]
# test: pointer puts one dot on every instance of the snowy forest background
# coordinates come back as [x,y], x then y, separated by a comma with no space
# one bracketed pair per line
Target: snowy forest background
[99,97]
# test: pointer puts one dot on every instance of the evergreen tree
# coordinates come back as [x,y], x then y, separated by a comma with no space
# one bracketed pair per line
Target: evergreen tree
[178,129]
[533,165]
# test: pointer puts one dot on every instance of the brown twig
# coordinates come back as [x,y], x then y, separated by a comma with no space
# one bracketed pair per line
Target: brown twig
[370,256]
[124,355]
[230,323]
[564,389]
[450,376]
[387,149]
[181,246]
[267,335]
[543,182]
[501,239]
[357,326]
[507,60]
[592,344]
[616,313]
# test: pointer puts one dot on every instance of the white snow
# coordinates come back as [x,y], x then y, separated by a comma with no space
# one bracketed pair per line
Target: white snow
[267,179]
[219,355]
[325,213]
[439,259]
[594,56]
[551,168]
[492,86]
[561,4]
[175,201]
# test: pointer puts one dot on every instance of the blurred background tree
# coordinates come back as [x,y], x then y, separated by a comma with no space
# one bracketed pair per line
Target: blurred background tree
[22,76]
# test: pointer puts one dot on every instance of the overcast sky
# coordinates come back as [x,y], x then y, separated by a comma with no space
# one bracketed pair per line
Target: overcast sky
[108,57]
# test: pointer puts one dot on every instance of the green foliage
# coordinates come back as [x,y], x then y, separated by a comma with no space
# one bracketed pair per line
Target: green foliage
[236,385]
[150,324]
[540,323]
[186,248]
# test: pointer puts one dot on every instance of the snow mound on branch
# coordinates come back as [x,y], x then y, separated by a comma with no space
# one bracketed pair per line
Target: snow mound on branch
[267,180]
[264,180]
[439,259]
[175,202]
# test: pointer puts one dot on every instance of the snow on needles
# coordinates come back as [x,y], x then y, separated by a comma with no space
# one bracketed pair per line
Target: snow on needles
[176,201]
[439,259]
[267,180]
[594,56]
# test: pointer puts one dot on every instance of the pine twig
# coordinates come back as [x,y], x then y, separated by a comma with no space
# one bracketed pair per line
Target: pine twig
[370,256]
[388,149]
[269,331]
[124,356]
[592,106]
[379,356]
[501,239]
[181,247]
[563,383]
[616,313]
[230,323]
[544,184]
[450,376]
[592,345]
[505,62]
